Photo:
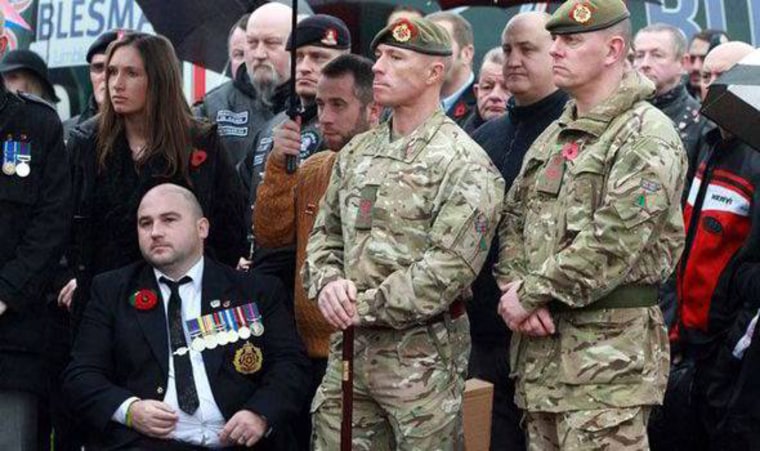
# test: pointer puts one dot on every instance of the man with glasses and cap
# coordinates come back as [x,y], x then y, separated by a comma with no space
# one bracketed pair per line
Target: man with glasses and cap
[96,60]
[402,231]
[592,225]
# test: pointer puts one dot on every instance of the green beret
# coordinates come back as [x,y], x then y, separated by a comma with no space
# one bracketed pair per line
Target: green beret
[420,35]
[583,16]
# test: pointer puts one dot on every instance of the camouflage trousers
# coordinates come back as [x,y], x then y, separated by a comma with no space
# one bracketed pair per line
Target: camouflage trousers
[408,389]
[589,430]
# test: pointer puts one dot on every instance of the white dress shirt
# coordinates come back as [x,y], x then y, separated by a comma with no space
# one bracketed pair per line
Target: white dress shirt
[203,427]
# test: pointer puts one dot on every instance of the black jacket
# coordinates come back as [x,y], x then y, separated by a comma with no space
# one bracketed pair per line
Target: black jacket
[90,110]
[121,352]
[506,139]
[683,110]
[473,122]
[464,106]
[34,225]
[239,115]
[105,222]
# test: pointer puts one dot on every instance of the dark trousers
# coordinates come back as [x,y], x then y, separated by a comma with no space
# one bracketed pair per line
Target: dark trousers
[54,415]
[18,420]
[303,422]
[490,362]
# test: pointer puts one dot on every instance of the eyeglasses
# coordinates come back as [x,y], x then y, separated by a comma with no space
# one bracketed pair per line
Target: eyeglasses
[97,68]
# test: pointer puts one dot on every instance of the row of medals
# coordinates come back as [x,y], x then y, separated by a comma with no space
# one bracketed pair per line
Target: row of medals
[222,337]
[22,169]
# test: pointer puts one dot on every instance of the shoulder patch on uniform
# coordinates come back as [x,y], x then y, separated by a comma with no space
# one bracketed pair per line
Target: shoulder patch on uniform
[34,99]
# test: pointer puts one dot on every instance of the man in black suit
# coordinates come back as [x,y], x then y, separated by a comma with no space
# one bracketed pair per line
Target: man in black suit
[181,353]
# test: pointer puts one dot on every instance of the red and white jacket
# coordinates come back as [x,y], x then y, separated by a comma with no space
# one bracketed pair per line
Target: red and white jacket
[718,217]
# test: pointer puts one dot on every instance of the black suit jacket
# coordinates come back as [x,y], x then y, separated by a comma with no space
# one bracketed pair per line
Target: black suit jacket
[122,352]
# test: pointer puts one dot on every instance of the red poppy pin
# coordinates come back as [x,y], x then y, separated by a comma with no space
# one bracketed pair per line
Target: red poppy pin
[143,299]
[570,151]
[197,158]
[460,110]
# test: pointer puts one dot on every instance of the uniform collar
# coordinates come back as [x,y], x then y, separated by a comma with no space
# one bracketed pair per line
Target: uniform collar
[633,88]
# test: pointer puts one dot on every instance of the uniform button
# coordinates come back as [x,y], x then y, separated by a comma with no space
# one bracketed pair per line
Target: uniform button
[160,390]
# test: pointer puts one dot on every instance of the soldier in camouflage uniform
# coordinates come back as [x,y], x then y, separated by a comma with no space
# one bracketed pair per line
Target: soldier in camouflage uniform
[590,227]
[403,229]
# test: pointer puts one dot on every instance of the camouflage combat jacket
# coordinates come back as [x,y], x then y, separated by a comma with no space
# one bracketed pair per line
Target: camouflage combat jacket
[408,221]
[595,207]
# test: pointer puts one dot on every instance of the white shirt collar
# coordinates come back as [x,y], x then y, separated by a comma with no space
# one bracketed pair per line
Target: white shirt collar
[195,273]
[449,101]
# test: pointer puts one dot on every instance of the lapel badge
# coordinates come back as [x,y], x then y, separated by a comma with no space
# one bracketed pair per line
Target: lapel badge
[226,304]
[216,303]
[248,359]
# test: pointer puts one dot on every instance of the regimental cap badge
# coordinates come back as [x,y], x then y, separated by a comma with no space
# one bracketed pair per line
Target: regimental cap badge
[330,38]
[582,13]
[403,31]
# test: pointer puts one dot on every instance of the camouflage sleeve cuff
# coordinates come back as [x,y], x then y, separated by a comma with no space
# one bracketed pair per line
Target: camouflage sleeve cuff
[530,299]
[365,304]
[320,282]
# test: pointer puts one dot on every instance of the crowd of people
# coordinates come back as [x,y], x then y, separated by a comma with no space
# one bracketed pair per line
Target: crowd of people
[562,223]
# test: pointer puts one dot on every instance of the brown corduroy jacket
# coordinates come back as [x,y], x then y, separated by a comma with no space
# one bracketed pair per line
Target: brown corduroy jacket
[286,207]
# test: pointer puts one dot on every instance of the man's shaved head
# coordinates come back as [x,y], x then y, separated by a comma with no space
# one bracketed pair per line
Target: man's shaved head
[186,196]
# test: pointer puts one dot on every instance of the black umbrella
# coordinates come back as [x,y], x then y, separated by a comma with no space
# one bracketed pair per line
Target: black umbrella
[199,28]
[733,100]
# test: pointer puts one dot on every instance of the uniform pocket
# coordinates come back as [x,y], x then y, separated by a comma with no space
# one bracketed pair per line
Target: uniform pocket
[603,347]
[600,420]
[583,194]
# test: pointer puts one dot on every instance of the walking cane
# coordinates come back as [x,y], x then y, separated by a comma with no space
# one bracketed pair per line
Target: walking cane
[348,389]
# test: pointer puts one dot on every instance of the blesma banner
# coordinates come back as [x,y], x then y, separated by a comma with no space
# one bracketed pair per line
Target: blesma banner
[66,28]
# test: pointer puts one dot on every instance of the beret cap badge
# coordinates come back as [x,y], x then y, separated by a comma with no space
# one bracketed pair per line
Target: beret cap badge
[581,13]
[331,37]
[403,31]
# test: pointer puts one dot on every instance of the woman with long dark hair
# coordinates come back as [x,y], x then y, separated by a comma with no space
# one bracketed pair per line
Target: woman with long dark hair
[145,135]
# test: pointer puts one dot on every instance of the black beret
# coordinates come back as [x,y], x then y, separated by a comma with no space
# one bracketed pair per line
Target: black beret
[321,30]
[102,42]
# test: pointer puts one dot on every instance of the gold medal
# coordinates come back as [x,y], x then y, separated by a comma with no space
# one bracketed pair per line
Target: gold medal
[248,359]
[9,168]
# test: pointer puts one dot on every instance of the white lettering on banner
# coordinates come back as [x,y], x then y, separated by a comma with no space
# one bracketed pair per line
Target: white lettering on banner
[67,28]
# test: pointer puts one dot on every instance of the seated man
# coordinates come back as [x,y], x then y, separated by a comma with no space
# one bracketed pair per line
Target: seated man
[180,352]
